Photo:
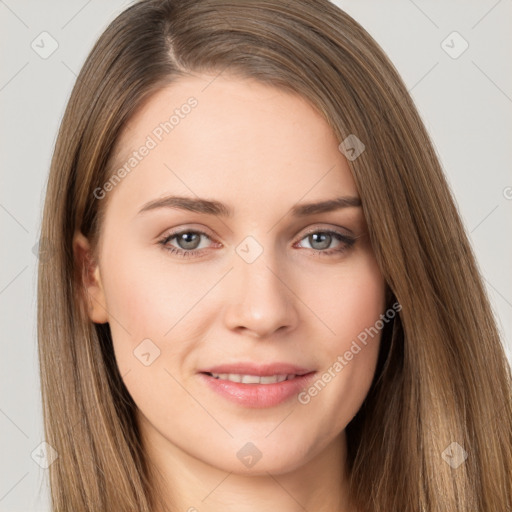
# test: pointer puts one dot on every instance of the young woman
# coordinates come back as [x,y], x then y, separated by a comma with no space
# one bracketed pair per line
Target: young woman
[261,294]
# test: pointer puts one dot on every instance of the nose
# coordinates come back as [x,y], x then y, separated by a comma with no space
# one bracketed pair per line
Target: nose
[260,300]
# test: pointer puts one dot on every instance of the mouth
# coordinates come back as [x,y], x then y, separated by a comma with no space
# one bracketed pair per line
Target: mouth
[259,389]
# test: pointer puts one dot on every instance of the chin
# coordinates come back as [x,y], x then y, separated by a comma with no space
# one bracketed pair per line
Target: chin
[260,458]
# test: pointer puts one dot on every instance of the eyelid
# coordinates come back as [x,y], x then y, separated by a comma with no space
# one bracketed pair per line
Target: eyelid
[185,229]
[329,227]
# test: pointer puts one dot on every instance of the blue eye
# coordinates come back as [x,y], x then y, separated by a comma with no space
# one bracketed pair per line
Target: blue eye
[320,241]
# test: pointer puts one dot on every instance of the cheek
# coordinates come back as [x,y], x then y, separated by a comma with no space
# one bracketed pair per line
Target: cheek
[359,319]
[347,301]
[140,305]
[353,311]
[152,305]
[143,296]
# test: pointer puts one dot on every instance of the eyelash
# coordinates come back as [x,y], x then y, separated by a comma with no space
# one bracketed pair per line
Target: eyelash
[348,242]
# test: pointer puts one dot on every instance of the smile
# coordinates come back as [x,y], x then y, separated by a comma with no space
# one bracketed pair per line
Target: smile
[252,379]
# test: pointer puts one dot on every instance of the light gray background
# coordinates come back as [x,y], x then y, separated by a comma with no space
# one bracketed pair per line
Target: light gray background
[465,102]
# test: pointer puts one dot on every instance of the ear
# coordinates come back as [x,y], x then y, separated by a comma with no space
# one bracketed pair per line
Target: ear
[89,279]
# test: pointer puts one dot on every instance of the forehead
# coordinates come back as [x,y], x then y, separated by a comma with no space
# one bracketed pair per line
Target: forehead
[231,139]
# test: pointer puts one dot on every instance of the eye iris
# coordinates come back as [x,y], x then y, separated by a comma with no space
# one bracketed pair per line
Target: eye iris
[323,238]
[188,240]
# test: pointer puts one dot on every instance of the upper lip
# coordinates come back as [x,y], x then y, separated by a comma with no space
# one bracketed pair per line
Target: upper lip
[261,370]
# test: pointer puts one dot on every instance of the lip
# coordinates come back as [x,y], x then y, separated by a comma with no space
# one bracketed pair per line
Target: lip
[258,395]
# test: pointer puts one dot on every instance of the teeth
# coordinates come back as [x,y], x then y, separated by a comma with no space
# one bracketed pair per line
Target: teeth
[252,379]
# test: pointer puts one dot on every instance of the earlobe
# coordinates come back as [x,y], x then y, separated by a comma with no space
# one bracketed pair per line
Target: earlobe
[89,280]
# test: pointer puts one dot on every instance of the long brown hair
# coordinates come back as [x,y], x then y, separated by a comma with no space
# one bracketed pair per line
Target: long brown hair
[442,376]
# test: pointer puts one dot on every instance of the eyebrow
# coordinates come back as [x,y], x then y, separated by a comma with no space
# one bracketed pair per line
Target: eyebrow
[212,207]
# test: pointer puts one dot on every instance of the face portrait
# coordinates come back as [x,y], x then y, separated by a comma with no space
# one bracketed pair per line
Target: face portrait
[226,291]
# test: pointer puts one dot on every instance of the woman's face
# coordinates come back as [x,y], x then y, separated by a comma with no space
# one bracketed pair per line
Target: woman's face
[237,277]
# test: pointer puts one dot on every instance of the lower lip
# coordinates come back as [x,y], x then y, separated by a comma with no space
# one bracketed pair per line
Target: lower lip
[258,395]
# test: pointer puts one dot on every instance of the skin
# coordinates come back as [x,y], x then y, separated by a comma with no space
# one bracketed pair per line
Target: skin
[260,151]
